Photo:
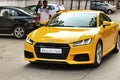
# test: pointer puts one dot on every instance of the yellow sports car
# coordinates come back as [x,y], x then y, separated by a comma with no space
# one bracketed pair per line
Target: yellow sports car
[73,37]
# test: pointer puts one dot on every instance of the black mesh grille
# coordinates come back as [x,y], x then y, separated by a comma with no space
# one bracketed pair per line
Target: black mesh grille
[81,57]
[28,54]
[65,50]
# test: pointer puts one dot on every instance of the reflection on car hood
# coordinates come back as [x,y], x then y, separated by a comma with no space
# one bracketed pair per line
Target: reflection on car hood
[62,35]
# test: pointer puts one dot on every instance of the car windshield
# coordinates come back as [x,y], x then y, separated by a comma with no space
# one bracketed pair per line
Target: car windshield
[27,11]
[73,19]
[107,4]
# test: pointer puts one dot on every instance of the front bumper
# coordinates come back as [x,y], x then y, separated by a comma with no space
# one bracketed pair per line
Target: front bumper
[76,55]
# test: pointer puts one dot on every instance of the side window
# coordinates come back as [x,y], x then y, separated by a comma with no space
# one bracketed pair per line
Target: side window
[102,18]
[13,12]
[51,7]
[4,12]
[106,4]
[33,8]
[8,12]
[107,18]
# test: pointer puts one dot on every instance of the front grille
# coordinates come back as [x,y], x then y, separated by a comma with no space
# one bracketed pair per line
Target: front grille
[65,50]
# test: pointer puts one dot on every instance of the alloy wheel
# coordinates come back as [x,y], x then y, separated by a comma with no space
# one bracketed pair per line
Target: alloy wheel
[118,42]
[109,11]
[19,32]
[99,53]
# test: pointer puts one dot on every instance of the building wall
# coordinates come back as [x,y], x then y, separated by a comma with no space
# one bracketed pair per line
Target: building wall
[23,3]
[67,3]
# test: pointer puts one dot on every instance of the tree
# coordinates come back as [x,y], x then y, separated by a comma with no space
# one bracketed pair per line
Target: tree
[71,5]
[62,2]
[86,4]
[79,4]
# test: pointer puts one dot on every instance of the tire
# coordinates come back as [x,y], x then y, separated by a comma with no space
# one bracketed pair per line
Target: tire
[117,47]
[19,32]
[109,11]
[98,54]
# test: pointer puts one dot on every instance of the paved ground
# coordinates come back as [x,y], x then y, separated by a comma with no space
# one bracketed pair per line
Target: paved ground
[116,16]
[14,67]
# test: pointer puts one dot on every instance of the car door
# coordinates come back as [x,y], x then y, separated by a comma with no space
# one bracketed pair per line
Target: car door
[99,6]
[95,6]
[5,20]
[108,33]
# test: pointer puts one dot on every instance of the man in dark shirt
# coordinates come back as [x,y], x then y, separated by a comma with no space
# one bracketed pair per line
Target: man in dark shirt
[39,5]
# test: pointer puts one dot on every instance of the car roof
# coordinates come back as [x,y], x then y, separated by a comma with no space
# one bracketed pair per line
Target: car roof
[9,7]
[21,9]
[35,5]
[82,11]
[13,7]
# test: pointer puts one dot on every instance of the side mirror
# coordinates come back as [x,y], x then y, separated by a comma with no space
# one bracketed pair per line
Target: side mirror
[44,22]
[106,23]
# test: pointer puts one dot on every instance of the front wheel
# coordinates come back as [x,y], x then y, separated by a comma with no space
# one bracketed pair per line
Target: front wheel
[19,32]
[109,11]
[117,47]
[98,54]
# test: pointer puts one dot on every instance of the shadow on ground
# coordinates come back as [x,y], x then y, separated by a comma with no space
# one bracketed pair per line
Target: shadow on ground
[69,67]
[7,36]
[57,66]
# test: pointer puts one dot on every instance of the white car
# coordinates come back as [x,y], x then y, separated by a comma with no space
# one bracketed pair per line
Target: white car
[110,8]
[54,8]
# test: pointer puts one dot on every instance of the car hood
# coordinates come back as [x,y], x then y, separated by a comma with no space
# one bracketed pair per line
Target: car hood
[62,35]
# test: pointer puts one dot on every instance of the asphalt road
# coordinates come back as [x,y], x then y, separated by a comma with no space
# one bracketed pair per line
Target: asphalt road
[14,67]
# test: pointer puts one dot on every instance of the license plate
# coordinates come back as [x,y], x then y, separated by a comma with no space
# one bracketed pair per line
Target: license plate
[51,50]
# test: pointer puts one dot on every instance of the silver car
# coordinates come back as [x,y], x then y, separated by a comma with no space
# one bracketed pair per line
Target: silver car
[105,7]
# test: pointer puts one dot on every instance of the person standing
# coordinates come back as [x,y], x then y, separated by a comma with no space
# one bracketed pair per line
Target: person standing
[44,12]
[39,5]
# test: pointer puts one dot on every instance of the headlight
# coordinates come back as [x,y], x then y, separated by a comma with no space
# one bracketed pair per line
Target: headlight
[28,40]
[82,42]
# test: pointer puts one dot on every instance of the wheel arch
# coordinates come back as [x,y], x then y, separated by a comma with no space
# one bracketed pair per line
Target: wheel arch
[96,64]
[119,32]
[15,26]
[110,10]
[22,35]
[100,40]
